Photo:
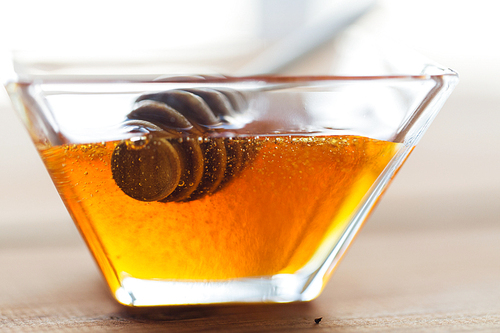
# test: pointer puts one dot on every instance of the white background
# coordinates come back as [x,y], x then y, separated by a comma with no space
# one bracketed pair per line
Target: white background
[453,173]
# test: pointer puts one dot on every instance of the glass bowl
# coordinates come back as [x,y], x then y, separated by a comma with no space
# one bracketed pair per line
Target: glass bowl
[214,189]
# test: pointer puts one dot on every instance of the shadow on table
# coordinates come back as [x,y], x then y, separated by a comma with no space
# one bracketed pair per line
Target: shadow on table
[238,317]
[155,314]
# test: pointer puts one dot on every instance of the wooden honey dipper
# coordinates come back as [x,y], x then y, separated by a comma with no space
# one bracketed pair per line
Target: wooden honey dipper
[175,160]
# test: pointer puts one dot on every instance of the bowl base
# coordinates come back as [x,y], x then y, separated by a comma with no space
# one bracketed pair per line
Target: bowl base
[282,288]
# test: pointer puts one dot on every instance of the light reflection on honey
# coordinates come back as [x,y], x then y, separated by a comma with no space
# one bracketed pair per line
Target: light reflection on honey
[272,218]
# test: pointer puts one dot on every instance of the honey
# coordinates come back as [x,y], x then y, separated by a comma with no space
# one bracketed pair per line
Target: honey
[293,195]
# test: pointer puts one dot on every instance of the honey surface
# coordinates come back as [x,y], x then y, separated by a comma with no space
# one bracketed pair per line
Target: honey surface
[272,218]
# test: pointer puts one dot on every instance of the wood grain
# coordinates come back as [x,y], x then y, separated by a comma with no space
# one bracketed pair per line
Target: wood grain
[425,280]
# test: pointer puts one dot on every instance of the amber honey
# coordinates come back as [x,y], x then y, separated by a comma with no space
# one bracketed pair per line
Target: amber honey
[295,193]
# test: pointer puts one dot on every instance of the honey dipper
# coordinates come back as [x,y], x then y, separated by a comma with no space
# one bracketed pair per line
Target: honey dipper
[175,160]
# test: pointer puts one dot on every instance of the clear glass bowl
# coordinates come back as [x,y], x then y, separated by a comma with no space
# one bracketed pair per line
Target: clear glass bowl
[214,189]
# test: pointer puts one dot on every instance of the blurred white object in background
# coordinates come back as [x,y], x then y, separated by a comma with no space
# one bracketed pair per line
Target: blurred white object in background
[460,35]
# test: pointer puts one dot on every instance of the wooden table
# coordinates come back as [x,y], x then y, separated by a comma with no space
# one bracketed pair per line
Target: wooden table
[439,281]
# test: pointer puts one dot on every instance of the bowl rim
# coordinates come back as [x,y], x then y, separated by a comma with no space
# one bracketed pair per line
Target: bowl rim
[207,79]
